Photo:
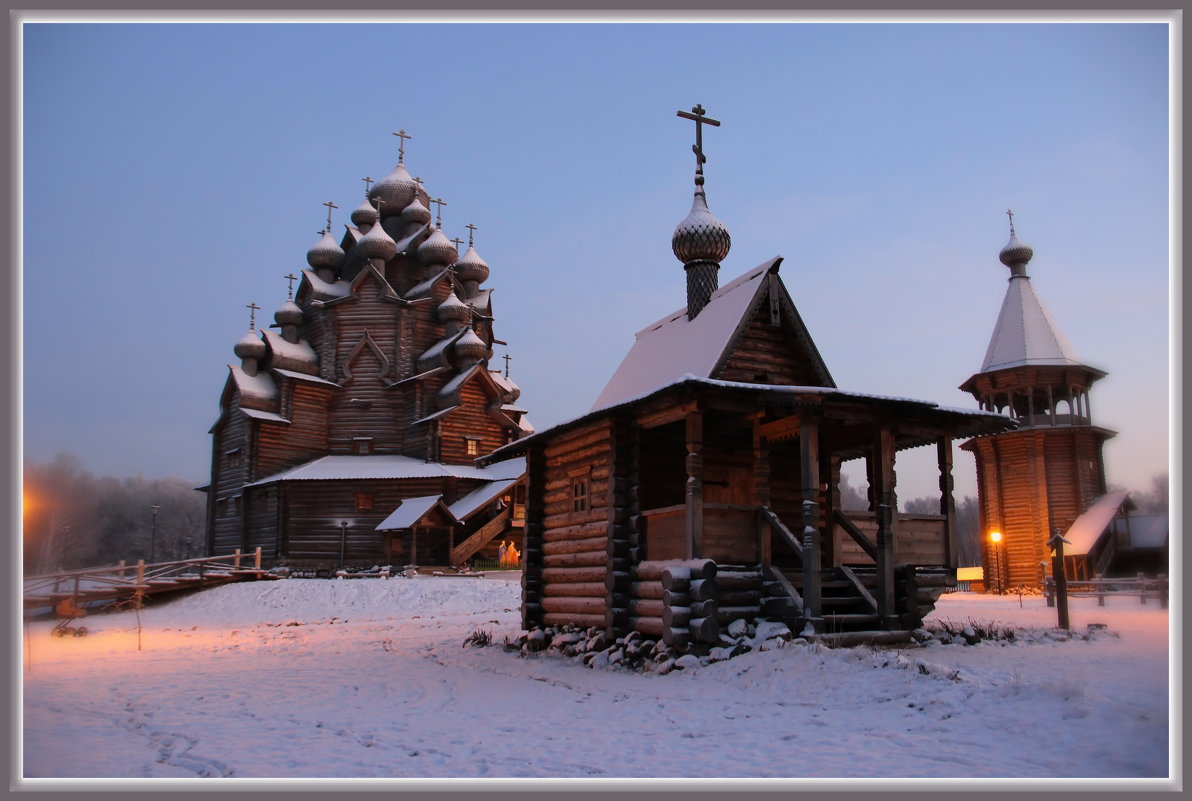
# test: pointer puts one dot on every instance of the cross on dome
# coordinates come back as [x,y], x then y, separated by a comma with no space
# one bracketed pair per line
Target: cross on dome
[697,114]
[292,278]
[252,316]
[1010,214]
[458,241]
[439,211]
[471,230]
[368,182]
[402,136]
[507,359]
[329,206]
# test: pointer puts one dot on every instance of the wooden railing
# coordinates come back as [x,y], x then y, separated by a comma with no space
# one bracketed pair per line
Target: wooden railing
[124,579]
[484,535]
[1102,588]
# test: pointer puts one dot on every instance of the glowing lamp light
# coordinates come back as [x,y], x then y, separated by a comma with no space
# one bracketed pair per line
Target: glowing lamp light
[996,536]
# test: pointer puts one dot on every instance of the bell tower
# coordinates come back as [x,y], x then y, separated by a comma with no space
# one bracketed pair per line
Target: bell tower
[1049,470]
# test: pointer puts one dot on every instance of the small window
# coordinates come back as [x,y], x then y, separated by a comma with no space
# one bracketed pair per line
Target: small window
[579,494]
[222,507]
[234,457]
[362,446]
[472,446]
[364,501]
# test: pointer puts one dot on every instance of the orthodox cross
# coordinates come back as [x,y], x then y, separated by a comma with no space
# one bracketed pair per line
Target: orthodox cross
[697,114]
[252,316]
[367,184]
[457,242]
[329,206]
[401,148]
[292,278]
[380,202]
[471,230]
[439,211]
[418,181]
[506,358]
[1010,214]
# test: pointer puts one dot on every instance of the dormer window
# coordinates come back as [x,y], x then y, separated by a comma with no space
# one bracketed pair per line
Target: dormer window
[234,457]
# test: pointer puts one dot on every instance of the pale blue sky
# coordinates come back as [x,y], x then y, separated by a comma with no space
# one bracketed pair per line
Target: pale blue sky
[174,173]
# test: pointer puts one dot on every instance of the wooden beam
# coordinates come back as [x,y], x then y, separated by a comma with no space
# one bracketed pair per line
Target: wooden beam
[694,518]
[782,428]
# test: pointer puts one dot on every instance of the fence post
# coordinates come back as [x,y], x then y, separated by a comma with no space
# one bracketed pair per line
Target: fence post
[1049,590]
[140,572]
[236,559]
[256,559]
[120,570]
[1100,590]
[1142,589]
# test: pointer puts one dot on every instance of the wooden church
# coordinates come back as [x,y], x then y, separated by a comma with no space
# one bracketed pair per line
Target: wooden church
[1046,473]
[702,486]
[348,432]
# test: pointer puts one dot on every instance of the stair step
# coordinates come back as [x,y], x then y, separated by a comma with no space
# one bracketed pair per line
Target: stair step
[850,620]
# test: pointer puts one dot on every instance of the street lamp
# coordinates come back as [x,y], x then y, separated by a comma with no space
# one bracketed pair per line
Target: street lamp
[153,537]
[996,538]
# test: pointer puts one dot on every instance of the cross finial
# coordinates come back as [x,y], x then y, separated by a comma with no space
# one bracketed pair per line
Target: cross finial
[471,230]
[380,201]
[506,357]
[329,206]
[292,278]
[439,212]
[697,114]
[402,136]
[252,316]
[457,242]
[368,182]
[1010,214]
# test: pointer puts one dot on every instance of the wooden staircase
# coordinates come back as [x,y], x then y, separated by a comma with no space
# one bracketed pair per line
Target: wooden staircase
[848,610]
[483,536]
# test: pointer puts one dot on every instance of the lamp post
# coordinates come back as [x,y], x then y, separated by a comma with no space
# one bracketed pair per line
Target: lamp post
[996,538]
[153,537]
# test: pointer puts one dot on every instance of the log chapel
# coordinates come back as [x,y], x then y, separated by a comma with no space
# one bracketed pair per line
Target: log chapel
[703,485]
[348,431]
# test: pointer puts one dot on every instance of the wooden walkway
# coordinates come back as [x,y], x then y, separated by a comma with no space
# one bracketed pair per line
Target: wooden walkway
[131,583]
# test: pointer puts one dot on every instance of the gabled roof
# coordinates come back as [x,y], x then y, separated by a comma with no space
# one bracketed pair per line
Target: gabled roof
[1025,334]
[675,346]
[258,387]
[411,511]
[387,466]
[475,500]
[1087,529]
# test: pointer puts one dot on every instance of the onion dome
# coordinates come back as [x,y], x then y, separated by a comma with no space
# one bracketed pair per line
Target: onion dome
[700,237]
[365,214]
[395,190]
[288,314]
[377,244]
[1015,252]
[454,309]
[470,347]
[437,249]
[415,213]
[471,267]
[250,346]
[325,253]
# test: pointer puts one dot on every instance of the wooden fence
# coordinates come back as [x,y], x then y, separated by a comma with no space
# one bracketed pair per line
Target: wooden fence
[1102,588]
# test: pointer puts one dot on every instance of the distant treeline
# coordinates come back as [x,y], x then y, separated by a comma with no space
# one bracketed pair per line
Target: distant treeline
[73,519]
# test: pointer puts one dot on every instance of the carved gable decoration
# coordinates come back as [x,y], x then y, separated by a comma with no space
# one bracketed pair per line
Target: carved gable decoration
[366,343]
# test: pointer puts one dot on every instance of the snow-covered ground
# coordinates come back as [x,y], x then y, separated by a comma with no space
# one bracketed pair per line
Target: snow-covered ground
[369,678]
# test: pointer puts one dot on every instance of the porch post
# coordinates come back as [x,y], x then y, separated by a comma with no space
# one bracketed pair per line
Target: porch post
[694,518]
[809,453]
[885,503]
[761,487]
[943,448]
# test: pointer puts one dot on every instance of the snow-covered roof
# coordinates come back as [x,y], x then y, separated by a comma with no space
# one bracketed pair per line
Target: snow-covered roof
[435,415]
[1086,529]
[323,290]
[452,386]
[436,350]
[1025,334]
[676,346]
[259,386]
[313,379]
[411,510]
[404,244]
[259,415]
[482,300]
[425,287]
[475,500]
[386,466]
[292,354]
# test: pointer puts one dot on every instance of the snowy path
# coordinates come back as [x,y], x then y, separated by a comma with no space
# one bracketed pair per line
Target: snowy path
[367,678]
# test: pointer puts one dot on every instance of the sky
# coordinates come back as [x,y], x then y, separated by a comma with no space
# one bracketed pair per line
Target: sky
[174,173]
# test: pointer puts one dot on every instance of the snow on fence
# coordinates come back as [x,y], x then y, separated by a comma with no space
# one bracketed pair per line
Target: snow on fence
[1102,588]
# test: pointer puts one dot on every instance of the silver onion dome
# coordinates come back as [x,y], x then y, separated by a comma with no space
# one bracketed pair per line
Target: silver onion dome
[377,244]
[700,237]
[395,190]
[325,253]
[437,249]
[415,212]
[288,314]
[470,267]
[365,214]
[250,346]
[1015,252]
[470,347]
[453,309]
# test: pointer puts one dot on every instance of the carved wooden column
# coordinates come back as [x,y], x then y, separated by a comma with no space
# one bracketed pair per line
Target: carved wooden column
[809,454]
[943,449]
[532,531]
[886,506]
[694,518]
[761,487]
